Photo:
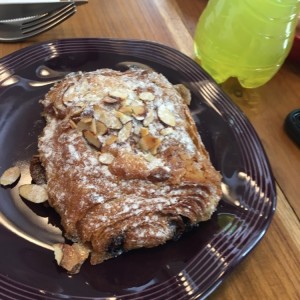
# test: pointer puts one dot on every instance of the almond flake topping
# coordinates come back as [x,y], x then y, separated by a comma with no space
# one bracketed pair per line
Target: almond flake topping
[76,111]
[110,100]
[118,94]
[166,131]
[70,257]
[33,192]
[126,110]
[149,118]
[73,124]
[166,116]
[184,92]
[144,131]
[123,117]
[109,119]
[106,158]
[91,138]
[80,104]
[110,140]
[101,128]
[125,132]
[86,120]
[146,96]
[93,126]
[149,143]
[138,110]
[67,100]
[10,176]
[82,125]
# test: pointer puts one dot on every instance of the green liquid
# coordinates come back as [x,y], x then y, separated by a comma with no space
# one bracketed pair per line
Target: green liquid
[247,39]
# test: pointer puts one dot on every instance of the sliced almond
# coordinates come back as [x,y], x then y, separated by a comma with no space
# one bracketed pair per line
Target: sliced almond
[10,176]
[67,97]
[67,101]
[155,148]
[125,132]
[127,102]
[81,125]
[138,110]
[149,157]
[118,94]
[144,131]
[123,117]
[166,131]
[58,252]
[75,112]
[86,120]
[110,140]
[110,100]
[113,122]
[109,119]
[70,257]
[149,118]
[93,126]
[184,92]
[84,84]
[135,110]
[149,143]
[33,192]
[166,116]
[73,124]
[137,128]
[136,139]
[101,128]
[91,138]
[106,158]
[137,102]
[97,109]
[70,89]
[139,118]
[126,110]
[58,107]
[146,96]
[80,104]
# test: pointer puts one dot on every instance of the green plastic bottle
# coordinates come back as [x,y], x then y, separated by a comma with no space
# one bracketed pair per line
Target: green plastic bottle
[246,39]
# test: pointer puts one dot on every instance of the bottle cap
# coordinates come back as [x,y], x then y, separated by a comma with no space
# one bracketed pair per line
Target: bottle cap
[292,125]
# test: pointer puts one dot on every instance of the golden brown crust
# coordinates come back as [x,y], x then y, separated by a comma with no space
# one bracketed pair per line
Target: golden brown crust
[124,161]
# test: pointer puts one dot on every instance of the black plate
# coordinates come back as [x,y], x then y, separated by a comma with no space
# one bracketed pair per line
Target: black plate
[189,268]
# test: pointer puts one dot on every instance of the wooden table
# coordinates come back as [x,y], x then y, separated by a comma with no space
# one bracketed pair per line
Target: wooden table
[272,270]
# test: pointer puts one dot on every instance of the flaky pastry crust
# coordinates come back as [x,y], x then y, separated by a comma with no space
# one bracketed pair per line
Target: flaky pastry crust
[125,165]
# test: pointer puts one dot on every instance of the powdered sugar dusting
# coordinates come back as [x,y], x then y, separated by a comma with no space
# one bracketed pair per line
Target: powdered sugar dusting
[140,188]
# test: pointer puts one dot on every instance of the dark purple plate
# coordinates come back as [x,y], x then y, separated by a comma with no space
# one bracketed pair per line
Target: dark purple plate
[190,268]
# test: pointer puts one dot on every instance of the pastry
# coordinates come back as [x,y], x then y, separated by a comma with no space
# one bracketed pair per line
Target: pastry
[124,164]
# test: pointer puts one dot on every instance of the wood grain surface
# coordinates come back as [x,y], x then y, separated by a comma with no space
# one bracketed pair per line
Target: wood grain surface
[272,269]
